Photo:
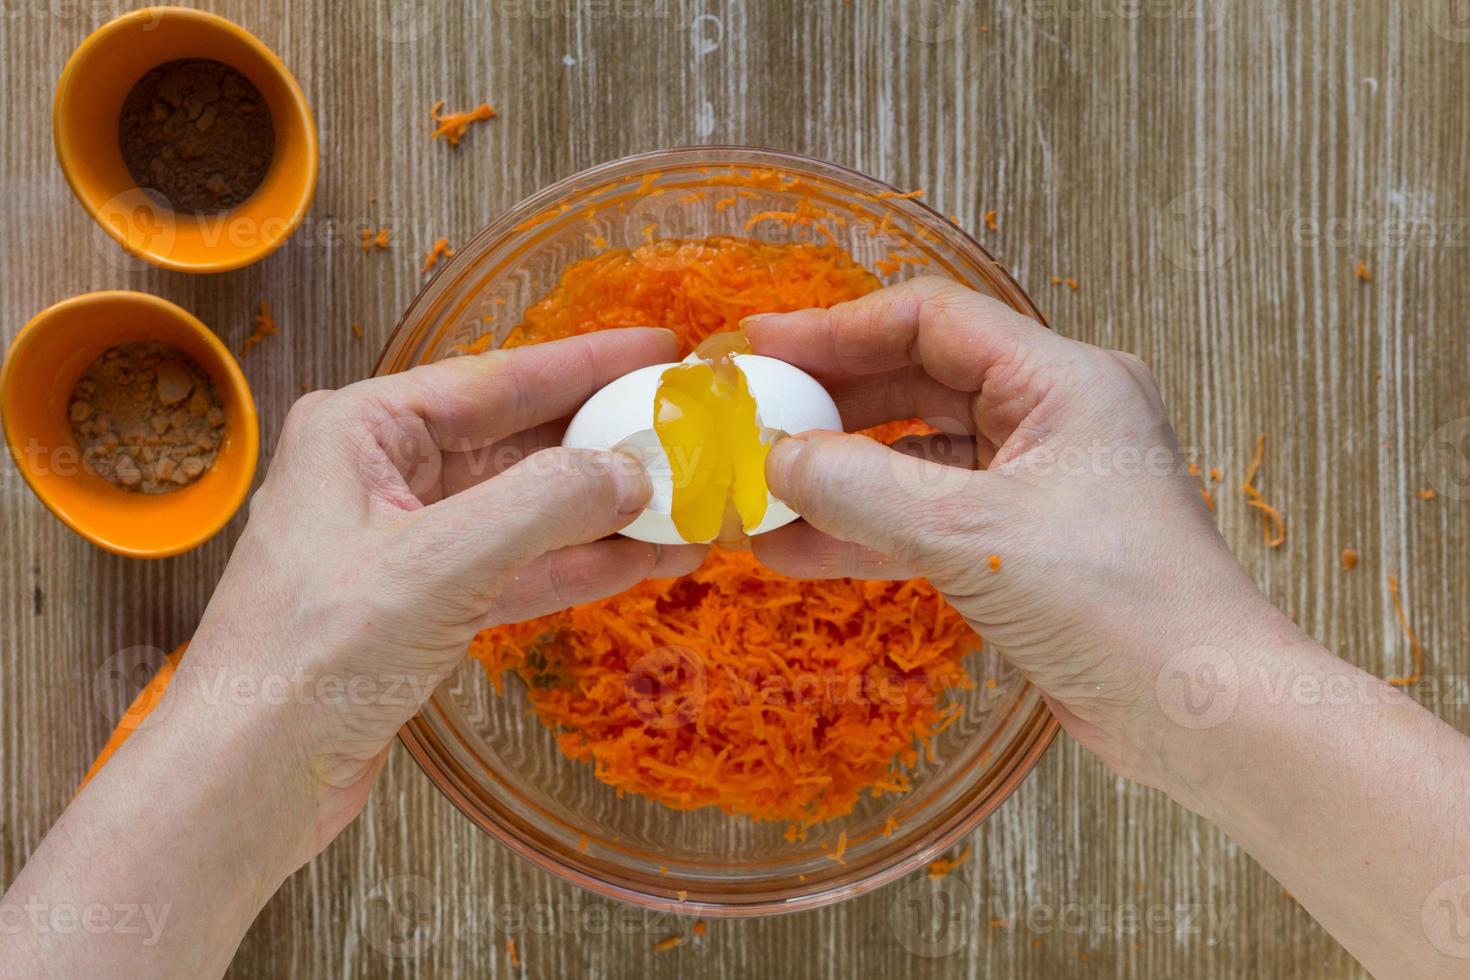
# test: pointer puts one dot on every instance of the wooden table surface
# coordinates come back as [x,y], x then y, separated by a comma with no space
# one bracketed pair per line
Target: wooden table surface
[1210,171]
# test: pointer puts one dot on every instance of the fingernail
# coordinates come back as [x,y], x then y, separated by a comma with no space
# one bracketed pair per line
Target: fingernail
[757,318]
[781,459]
[631,482]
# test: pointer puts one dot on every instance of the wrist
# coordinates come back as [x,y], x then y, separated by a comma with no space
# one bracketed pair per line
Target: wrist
[242,752]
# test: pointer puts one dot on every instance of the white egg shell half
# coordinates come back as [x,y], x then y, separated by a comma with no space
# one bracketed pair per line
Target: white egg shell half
[620,416]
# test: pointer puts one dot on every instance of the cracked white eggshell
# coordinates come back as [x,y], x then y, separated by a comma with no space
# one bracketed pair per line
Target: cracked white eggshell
[787,399]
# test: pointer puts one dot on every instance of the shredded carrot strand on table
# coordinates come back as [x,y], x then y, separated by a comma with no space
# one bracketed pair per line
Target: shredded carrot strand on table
[1204,491]
[357,329]
[942,867]
[779,699]
[1273,525]
[1398,606]
[701,928]
[664,945]
[512,952]
[439,250]
[990,221]
[1428,493]
[452,126]
[265,326]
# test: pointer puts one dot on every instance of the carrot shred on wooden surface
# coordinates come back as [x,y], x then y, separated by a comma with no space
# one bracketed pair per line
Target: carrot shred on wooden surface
[511,951]
[1362,272]
[701,928]
[664,945]
[265,326]
[1072,283]
[1349,559]
[990,221]
[943,866]
[1056,280]
[1398,607]
[1204,491]
[1273,525]
[375,239]
[1215,473]
[1428,493]
[357,329]
[768,698]
[439,250]
[452,125]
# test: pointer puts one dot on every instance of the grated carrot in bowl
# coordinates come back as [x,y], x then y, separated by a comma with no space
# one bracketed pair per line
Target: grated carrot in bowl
[734,687]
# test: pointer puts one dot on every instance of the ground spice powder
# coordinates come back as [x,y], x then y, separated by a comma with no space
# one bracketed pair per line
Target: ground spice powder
[199,133]
[147,418]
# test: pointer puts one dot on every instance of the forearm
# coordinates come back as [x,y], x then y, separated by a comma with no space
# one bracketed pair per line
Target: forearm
[1350,793]
[159,866]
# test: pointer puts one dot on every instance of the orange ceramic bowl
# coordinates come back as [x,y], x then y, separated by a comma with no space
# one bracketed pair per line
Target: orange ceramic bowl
[43,366]
[89,99]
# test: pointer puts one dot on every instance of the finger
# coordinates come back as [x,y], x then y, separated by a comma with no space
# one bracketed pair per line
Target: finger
[956,334]
[471,402]
[939,447]
[906,393]
[914,510]
[553,499]
[586,573]
[463,470]
[801,551]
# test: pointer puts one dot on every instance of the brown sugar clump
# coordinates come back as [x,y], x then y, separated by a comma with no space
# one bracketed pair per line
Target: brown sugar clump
[199,133]
[147,418]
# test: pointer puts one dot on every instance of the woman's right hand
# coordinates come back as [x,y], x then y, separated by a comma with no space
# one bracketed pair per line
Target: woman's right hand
[1054,456]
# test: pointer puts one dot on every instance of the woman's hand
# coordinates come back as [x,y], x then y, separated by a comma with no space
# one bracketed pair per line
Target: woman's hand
[1056,457]
[400,516]
[1118,598]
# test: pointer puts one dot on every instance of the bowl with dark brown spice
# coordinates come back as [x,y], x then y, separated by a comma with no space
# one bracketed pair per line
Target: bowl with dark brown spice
[186,138]
[131,422]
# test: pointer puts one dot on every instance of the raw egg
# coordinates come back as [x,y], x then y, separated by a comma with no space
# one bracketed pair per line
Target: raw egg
[702,429]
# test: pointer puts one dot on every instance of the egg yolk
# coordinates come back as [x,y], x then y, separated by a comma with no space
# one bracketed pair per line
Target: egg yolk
[704,415]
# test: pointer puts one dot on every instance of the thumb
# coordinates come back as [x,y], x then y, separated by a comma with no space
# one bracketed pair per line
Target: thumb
[552,499]
[927,514]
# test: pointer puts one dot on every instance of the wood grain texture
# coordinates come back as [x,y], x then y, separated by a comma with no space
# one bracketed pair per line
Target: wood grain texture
[1210,171]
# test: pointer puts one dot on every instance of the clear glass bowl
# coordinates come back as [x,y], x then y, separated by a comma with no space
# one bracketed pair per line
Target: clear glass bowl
[492,757]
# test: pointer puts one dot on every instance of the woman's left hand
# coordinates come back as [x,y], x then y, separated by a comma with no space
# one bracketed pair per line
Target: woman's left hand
[400,516]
